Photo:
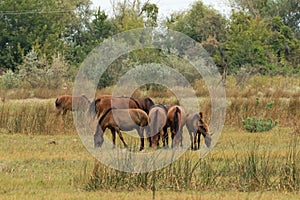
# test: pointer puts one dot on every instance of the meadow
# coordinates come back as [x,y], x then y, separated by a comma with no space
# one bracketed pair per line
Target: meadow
[42,157]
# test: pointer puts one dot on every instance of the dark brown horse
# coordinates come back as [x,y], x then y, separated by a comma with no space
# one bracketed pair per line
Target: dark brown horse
[121,119]
[66,103]
[101,104]
[158,120]
[145,103]
[176,118]
[197,127]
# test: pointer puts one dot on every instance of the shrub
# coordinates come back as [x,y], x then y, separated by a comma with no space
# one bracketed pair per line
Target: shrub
[9,80]
[253,124]
[39,73]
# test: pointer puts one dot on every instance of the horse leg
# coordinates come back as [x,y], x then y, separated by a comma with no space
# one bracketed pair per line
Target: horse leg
[121,138]
[148,134]
[180,137]
[64,114]
[194,135]
[173,134]
[58,112]
[191,139]
[141,134]
[199,136]
[165,137]
[113,133]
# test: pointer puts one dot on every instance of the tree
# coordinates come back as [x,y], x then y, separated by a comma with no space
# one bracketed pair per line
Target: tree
[288,10]
[37,24]
[262,45]
[200,23]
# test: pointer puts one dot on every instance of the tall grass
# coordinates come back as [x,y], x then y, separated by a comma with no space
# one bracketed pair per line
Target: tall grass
[256,169]
[37,117]
[277,98]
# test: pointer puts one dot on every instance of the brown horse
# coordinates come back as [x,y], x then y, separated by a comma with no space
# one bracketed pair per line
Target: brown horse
[121,119]
[197,127]
[145,103]
[66,103]
[158,120]
[103,103]
[176,118]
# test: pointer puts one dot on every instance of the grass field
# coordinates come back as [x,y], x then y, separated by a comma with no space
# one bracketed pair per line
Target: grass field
[42,157]
[59,167]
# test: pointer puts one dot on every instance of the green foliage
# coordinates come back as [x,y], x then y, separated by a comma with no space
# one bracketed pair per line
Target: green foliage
[263,37]
[36,72]
[266,45]
[199,22]
[39,24]
[287,10]
[258,124]
[253,124]
[9,80]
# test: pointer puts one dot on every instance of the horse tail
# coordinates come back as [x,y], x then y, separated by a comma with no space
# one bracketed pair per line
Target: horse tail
[176,119]
[154,122]
[104,115]
[92,108]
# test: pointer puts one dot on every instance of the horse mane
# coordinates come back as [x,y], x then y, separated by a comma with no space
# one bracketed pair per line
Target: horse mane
[104,115]
[149,100]
[136,102]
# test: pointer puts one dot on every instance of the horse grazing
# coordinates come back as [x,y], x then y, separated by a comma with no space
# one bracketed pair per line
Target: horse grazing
[176,119]
[197,127]
[66,103]
[121,119]
[158,120]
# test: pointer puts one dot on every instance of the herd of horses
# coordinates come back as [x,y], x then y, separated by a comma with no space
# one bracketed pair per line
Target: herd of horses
[140,114]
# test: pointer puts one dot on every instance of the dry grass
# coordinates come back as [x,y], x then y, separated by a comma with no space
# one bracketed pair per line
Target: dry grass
[33,167]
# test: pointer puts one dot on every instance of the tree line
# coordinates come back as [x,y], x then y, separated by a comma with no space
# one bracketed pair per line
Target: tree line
[41,39]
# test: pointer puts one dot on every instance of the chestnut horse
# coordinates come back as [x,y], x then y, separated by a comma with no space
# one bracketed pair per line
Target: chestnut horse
[158,120]
[197,127]
[66,103]
[176,119]
[121,119]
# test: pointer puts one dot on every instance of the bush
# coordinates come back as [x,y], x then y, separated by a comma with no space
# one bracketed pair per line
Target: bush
[9,80]
[39,73]
[253,124]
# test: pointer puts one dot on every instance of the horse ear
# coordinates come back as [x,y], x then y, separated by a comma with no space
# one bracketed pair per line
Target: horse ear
[201,114]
